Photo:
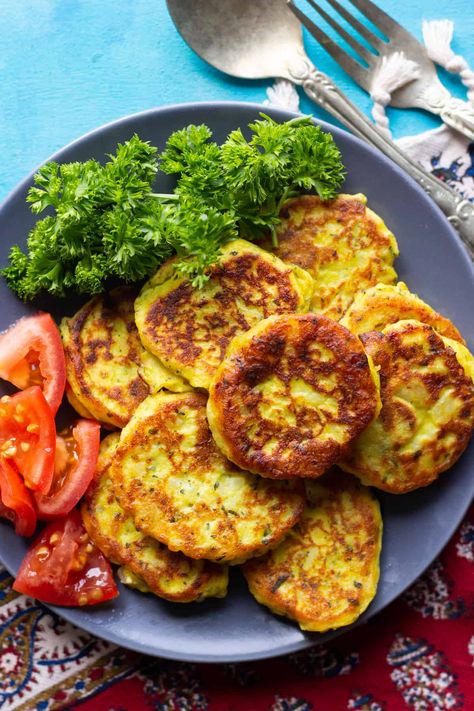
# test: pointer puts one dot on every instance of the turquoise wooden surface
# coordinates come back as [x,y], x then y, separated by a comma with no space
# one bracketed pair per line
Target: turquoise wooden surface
[67,66]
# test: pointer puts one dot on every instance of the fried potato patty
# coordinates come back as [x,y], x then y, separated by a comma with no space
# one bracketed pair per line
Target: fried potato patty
[128,578]
[383,304]
[463,354]
[189,329]
[76,405]
[341,243]
[103,356]
[325,573]
[427,414]
[291,395]
[158,377]
[147,564]
[178,487]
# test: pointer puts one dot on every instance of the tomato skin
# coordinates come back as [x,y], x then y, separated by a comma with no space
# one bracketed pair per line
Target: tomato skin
[16,501]
[37,335]
[63,567]
[28,436]
[86,435]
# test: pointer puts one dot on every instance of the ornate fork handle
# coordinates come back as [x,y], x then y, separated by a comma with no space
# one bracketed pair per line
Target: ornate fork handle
[324,92]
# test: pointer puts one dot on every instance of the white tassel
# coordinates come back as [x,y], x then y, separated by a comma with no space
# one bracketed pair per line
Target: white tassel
[394,71]
[438,35]
[283,95]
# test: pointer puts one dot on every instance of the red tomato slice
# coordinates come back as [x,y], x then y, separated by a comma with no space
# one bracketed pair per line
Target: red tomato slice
[31,353]
[77,450]
[16,501]
[28,437]
[63,566]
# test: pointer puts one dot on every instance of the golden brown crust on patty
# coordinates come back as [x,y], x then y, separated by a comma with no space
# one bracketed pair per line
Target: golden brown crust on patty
[341,243]
[189,329]
[178,487]
[103,351]
[158,377]
[291,396]
[463,355]
[78,406]
[325,573]
[381,305]
[169,575]
[427,414]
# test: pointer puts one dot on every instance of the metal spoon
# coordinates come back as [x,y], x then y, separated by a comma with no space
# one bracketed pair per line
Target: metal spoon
[258,39]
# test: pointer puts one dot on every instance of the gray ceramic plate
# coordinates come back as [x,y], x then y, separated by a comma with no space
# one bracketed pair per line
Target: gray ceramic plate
[417,525]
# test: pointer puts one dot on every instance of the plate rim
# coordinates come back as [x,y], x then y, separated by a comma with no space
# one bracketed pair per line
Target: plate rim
[308,640]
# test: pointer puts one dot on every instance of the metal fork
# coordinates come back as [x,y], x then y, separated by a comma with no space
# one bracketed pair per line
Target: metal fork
[426,92]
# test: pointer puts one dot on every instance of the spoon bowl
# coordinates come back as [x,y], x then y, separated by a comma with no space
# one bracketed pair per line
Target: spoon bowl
[249,39]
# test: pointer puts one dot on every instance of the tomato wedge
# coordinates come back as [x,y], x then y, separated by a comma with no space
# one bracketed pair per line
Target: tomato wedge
[63,566]
[16,501]
[31,353]
[28,437]
[77,449]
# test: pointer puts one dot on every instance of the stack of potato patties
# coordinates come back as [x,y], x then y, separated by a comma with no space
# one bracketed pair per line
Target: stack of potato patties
[247,405]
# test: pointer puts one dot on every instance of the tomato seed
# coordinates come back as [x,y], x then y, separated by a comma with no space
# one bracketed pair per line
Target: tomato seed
[54,538]
[10,452]
[5,398]
[83,599]
[79,562]
[89,548]
[96,595]
[25,446]
[32,427]
[43,552]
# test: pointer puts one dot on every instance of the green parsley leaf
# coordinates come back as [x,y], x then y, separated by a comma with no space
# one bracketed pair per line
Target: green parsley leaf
[105,221]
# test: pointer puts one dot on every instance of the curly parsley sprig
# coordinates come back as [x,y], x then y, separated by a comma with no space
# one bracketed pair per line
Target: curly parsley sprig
[106,222]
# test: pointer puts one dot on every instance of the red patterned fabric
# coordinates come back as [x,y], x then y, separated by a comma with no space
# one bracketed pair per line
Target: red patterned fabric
[417,654]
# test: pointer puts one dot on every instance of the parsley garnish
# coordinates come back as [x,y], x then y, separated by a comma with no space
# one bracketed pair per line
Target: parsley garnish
[106,222]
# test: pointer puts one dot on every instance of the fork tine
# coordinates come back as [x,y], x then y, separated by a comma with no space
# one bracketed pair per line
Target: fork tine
[364,31]
[351,41]
[378,17]
[356,70]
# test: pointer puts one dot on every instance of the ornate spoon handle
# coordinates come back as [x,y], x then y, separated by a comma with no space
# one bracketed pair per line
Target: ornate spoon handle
[456,113]
[460,116]
[434,97]
[323,91]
